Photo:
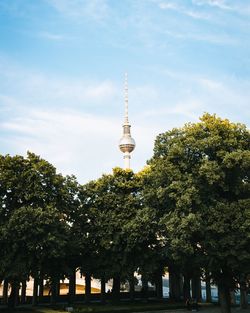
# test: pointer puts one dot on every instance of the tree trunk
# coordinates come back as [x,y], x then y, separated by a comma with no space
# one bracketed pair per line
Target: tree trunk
[87,287]
[58,288]
[35,292]
[54,290]
[243,295]
[14,294]
[208,289]
[159,285]
[5,291]
[224,294]
[72,286]
[116,288]
[232,297]
[41,288]
[144,290]
[17,300]
[196,287]
[23,292]
[103,290]
[132,287]
[186,287]
[174,283]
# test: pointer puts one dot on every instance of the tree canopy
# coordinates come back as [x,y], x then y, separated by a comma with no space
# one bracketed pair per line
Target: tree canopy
[188,210]
[202,174]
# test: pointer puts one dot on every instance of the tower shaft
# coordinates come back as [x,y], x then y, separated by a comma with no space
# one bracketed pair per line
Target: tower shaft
[127,158]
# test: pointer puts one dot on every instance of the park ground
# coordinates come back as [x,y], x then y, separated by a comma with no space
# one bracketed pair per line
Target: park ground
[122,309]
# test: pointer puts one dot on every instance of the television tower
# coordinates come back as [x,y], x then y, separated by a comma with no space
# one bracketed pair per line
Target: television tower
[127,143]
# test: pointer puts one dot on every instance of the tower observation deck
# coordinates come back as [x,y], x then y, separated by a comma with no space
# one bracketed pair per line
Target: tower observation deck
[126,143]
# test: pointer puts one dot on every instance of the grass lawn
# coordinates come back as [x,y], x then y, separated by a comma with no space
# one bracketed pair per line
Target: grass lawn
[29,310]
[98,308]
[47,310]
[127,308]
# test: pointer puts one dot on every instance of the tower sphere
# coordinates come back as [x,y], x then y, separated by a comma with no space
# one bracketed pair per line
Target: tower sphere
[126,144]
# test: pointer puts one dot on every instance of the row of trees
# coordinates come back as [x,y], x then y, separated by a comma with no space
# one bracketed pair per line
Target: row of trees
[187,211]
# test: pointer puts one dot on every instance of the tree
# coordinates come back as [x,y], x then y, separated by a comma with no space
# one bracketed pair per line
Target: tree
[34,217]
[202,170]
[33,239]
[118,228]
[108,203]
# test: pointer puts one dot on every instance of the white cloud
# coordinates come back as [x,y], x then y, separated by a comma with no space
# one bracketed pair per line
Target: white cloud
[211,84]
[168,5]
[76,143]
[197,15]
[217,39]
[76,124]
[97,10]
[41,88]
[51,36]
[191,95]
[183,10]
[221,4]
[186,108]
[48,116]
[79,144]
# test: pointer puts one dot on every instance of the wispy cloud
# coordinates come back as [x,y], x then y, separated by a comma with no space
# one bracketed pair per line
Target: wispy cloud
[197,35]
[41,88]
[197,15]
[227,96]
[187,109]
[221,4]
[76,124]
[97,10]
[198,26]
[85,145]
[69,139]
[167,5]
[210,84]
[51,117]
[51,36]
[70,111]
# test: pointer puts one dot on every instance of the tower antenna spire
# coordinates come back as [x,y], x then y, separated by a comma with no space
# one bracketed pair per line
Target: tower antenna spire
[127,143]
[126,98]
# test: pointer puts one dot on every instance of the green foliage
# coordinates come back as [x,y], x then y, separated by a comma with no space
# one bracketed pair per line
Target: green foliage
[189,207]
[113,208]
[201,176]
[34,230]
[31,239]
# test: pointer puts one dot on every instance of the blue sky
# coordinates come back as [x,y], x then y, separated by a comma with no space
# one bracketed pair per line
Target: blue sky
[62,65]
